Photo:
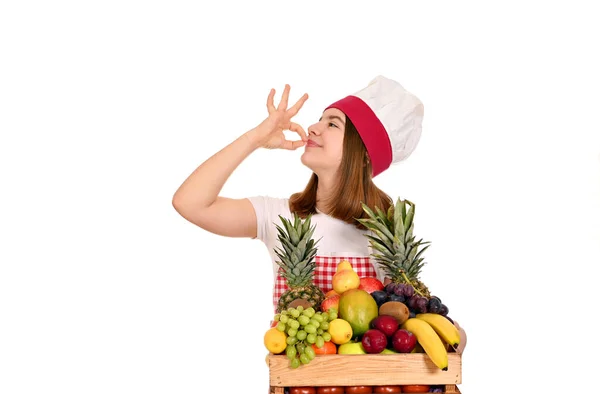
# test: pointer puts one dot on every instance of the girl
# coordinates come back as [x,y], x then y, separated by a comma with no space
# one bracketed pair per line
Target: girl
[355,139]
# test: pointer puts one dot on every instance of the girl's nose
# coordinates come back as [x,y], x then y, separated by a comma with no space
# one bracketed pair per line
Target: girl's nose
[314,129]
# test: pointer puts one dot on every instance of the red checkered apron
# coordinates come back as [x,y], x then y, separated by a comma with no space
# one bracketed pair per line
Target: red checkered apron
[326,267]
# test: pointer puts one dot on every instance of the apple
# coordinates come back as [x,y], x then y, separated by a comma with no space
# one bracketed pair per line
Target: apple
[330,293]
[370,284]
[351,348]
[404,341]
[331,302]
[385,323]
[374,341]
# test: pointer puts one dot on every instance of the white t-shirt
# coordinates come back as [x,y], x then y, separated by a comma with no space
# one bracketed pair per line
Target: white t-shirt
[337,238]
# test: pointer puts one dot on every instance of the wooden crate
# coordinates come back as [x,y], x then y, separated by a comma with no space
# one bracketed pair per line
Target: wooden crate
[365,369]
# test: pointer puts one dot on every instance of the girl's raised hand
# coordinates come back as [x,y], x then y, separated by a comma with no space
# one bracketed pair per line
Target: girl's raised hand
[270,133]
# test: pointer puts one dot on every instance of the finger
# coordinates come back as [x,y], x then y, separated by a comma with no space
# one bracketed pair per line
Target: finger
[284,98]
[294,110]
[297,144]
[296,128]
[292,145]
[270,105]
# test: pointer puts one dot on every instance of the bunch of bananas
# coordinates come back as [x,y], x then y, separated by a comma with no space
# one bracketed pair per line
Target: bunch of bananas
[432,330]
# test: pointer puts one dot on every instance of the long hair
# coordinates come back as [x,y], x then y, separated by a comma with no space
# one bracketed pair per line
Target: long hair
[355,185]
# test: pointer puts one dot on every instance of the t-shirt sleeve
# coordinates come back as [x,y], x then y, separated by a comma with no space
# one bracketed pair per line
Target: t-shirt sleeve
[261,209]
[267,211]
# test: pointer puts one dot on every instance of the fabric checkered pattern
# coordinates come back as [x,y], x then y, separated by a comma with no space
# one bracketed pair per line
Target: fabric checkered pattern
[326,267]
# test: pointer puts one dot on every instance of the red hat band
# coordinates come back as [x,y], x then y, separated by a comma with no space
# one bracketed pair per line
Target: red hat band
[371,131]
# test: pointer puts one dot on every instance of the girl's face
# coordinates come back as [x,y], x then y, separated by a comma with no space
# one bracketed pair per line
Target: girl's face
[324,149]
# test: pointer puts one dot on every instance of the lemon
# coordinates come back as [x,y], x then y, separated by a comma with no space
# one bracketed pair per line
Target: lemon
[275,340]
[344,265]
[340,330]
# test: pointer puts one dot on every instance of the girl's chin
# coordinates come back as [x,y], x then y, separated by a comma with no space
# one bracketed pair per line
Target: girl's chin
[310,164]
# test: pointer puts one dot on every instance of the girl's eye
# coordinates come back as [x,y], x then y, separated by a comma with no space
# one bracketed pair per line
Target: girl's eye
[331,124]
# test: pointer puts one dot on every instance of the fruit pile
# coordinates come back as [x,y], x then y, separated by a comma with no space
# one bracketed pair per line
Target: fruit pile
[359,322]
[360,315]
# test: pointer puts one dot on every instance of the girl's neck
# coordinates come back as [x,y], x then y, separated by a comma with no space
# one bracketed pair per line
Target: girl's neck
[325,192]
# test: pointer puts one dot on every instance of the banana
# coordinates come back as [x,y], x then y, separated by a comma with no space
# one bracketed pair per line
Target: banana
[429,340]
[446,330]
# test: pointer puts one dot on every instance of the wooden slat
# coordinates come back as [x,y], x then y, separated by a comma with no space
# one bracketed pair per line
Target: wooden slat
[449,389]
[364,369]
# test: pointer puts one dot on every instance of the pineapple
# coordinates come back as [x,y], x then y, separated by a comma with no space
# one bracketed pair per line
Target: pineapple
[394,246]
[297,262]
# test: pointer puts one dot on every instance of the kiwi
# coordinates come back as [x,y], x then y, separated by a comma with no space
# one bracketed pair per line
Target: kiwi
[299,301]
[396,309]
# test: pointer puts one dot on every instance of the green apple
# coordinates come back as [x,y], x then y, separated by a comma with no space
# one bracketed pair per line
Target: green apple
[388,351]
[351,348]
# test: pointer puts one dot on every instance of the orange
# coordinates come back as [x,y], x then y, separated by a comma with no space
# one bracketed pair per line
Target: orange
[327,348]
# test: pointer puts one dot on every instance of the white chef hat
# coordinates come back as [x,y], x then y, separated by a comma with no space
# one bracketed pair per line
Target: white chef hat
[388,119]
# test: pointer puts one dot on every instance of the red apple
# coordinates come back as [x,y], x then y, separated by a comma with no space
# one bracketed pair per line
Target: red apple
[331,302]
[386,324]
[374,341]
[330,293]
[370,284]
[404,341]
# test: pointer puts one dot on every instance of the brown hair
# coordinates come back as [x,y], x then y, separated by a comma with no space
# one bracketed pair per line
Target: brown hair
[355,185]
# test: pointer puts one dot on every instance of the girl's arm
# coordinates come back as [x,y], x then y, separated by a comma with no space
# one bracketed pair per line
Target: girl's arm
[198,200]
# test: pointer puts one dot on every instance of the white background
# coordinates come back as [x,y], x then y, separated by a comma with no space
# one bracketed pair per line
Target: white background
[106,107]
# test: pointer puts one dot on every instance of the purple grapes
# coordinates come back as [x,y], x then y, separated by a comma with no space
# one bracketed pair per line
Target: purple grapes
[380,297]
[411,303]
[421,305]
[400,289]
[434,305]
[390,288]
[443,310]
[399,298]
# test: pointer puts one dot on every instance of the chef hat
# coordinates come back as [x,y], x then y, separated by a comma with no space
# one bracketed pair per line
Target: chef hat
[388,119]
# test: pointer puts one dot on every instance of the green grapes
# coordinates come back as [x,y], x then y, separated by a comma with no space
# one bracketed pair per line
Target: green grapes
[305,328]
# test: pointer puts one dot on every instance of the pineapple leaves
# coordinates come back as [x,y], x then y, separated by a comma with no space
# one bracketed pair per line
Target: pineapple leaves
[380,248]
[394,247]
[367,210]
[291,230]
[297,251]
[377,227]
[306,224]
[378,244]
[408,223]
[399,214]
[383,218]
